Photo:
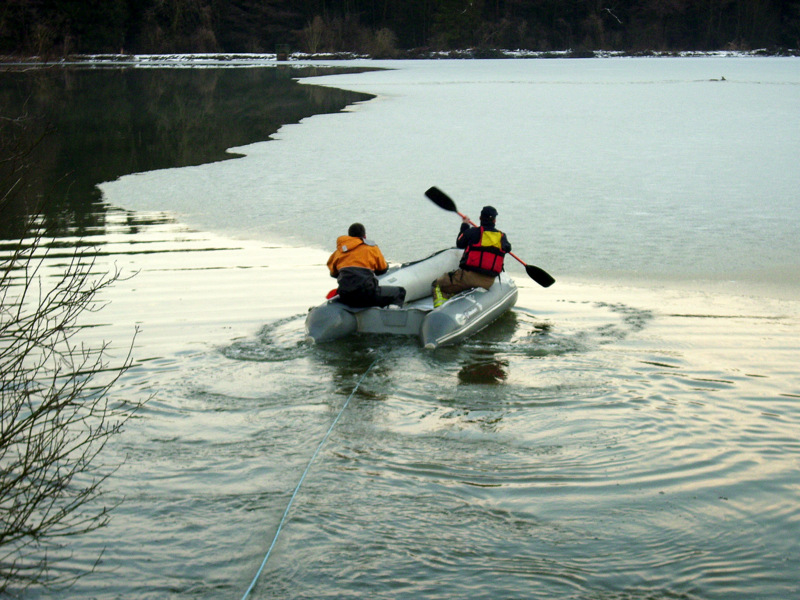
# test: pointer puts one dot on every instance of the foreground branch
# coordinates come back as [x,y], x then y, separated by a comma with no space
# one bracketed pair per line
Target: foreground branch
[56,412]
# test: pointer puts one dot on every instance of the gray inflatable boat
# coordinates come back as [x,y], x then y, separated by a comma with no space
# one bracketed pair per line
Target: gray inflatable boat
[460,317]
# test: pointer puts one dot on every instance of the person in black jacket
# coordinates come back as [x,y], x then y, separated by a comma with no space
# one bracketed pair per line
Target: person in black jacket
[485,248]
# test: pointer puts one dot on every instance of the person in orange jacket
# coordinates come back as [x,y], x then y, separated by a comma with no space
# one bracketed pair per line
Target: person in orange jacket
[355,264]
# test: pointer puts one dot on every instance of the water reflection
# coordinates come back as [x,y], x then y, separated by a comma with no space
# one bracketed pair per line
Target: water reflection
[96,125]
[159,234]
[487,370]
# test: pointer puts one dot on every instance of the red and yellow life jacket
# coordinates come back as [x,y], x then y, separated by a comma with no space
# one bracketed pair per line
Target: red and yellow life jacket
[487,256]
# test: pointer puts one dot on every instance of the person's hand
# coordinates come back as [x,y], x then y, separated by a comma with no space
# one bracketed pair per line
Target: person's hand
[465,220]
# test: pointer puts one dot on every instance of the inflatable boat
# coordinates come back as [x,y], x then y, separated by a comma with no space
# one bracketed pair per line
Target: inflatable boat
[460,317]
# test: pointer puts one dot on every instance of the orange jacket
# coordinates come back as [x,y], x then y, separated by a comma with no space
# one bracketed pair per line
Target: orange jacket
[356,252]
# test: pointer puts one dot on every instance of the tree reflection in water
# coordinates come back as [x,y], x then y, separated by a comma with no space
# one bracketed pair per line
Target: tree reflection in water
[97,124]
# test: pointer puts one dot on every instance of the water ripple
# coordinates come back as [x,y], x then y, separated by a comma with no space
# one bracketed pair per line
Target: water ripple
[280,341]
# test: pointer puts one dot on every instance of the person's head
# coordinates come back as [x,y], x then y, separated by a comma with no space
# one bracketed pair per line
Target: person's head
[357,230]
[488,215]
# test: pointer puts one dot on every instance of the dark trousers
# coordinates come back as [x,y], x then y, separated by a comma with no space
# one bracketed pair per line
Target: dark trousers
[382,296]
[358,288]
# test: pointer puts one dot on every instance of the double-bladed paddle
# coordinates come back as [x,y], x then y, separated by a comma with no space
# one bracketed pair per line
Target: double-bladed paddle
[442,200]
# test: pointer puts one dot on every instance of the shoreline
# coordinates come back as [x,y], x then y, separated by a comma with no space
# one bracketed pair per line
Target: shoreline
[263,59]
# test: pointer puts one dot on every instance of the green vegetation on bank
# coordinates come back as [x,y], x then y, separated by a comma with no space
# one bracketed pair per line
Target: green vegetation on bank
[383,29]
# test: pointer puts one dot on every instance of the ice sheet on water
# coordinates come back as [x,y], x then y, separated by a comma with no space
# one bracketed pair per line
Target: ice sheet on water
[631,167]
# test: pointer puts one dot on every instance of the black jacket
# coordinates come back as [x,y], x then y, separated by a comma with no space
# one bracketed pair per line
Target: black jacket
[469,236]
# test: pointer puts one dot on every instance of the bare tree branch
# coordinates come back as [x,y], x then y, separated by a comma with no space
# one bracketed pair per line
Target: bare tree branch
[57,411]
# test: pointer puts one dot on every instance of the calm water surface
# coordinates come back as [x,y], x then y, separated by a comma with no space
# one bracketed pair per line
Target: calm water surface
[629,433]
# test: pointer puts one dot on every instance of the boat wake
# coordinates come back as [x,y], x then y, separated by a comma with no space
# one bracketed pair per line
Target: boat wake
[522,332]
[280,341]
[519,332]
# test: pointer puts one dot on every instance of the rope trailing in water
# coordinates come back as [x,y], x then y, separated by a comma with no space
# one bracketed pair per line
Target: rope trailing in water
[302,478]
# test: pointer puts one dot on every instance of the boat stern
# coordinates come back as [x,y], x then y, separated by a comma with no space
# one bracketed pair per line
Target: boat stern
[467,313]
[329,321]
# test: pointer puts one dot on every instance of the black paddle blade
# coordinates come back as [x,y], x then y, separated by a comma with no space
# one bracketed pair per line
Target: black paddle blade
[540,276]
[441,199]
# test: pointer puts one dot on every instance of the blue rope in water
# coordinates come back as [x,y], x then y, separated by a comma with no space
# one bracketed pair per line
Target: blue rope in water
[302,478]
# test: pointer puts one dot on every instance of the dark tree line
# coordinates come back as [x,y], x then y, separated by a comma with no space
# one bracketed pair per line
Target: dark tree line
[387,27]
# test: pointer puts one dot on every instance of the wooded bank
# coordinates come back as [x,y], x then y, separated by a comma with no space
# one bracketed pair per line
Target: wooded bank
[384,28]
